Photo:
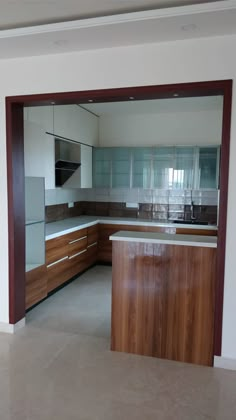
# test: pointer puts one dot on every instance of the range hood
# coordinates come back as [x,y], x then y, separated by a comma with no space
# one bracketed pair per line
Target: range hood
[67,160]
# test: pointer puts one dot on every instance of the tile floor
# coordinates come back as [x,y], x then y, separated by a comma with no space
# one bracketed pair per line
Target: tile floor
[60,368]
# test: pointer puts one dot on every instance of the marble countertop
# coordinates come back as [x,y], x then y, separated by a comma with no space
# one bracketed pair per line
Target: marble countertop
[166,238]
[62,227]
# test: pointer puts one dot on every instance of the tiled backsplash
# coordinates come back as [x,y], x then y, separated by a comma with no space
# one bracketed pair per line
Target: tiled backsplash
[152,204]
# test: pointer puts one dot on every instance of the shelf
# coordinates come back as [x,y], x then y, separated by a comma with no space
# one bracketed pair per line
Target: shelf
[33,222]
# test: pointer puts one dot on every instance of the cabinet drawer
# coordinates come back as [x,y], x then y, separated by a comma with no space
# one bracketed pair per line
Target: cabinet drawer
[77,263]
[92,235]
[58,274]
[78,234]
[56,249]
[76,246]
[92,253]
[35,286]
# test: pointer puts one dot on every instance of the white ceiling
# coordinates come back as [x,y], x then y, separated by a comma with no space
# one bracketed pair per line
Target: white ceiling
[159,25]
[21,13]
[156,106]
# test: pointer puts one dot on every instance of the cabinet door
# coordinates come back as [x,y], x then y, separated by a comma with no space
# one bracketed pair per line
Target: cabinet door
[102,157]
[121,160]
[184,167]
[208,167]
[141,167]
[35,286]
[163,164]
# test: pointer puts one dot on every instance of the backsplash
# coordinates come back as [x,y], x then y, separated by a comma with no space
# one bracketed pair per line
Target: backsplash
[157,205]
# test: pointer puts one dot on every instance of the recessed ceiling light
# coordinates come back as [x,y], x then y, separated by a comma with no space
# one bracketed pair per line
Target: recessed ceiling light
[131,97]
[175,95]
[90,100]
[189,27]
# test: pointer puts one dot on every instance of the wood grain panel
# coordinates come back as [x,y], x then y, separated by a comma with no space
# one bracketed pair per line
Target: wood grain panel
[36,286]
[76,235]
[202,232]
[77,264]
[57,275]
[78,246]
[92,234]
[106,230]
[56,249]
[163,301]
[92,254]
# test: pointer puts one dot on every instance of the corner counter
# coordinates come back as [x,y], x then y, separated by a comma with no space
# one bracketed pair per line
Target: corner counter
[163,295]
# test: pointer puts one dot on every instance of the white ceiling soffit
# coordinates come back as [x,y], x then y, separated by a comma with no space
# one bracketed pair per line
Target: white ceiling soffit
[22,13]
[156,106]
[178,23]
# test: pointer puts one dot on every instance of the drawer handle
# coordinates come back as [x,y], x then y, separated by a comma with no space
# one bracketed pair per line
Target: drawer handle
[78,253]
[89,246]
[77,240]
[57,262]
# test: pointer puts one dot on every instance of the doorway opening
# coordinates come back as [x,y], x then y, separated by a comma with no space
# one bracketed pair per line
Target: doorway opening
[15,157]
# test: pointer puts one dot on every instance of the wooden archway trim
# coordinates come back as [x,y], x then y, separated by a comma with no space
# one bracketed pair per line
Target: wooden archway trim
[15,174]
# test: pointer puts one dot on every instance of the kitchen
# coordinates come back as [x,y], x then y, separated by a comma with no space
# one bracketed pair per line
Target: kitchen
[150,199]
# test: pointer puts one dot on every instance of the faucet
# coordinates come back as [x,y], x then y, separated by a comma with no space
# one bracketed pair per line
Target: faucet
[192,211]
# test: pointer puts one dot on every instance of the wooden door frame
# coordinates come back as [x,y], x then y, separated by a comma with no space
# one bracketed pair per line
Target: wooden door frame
[15,174]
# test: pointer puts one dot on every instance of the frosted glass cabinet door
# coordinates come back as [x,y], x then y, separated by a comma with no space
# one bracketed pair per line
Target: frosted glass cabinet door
[102,157]
[141,173]
[208,167]
[184,167]
[163,164]
[121,166]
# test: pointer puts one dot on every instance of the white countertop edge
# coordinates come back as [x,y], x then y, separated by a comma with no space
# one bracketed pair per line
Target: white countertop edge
[166,239]
[119,221]
[70,230]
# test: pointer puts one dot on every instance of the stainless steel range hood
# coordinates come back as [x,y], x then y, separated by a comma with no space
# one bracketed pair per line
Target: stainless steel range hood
[67,160]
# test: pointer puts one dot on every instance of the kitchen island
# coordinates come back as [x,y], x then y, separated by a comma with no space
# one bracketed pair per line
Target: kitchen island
[163,295]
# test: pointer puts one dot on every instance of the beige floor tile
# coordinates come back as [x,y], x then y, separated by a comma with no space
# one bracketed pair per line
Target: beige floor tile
[60,367]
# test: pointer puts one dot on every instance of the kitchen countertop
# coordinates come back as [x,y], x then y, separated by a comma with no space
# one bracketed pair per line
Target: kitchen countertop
[62,227]
[165,238]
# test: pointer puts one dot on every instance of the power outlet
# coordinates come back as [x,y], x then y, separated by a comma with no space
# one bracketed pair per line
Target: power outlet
[70,205]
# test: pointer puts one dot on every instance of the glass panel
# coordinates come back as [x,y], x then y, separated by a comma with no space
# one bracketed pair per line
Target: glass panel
[208,167]
[183,172]
[121,167]
[142,159]
[102,167]
[163,163]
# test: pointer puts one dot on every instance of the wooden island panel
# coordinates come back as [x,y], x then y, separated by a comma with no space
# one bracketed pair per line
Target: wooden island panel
[163,301]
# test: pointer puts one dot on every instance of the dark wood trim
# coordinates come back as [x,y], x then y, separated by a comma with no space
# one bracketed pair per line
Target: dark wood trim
[16,210]
[221,245]
[210,88]
[15,163]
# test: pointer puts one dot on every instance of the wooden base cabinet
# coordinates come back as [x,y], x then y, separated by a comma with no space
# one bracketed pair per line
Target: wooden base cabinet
[36,286]
[106,230]
[69,255]
[163,301]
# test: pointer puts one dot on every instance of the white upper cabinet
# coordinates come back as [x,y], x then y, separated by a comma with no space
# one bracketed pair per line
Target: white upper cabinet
[68,122]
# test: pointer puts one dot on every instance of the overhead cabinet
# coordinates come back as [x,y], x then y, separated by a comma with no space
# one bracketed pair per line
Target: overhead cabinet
[176,167]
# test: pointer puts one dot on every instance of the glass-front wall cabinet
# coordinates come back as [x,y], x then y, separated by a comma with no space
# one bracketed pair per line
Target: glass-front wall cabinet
[174,167]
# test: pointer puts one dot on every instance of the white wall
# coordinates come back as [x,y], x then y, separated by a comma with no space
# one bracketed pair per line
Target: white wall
[174,62]
[169,128]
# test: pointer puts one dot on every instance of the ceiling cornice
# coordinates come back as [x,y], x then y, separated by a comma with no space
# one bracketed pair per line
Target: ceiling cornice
[120,18]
